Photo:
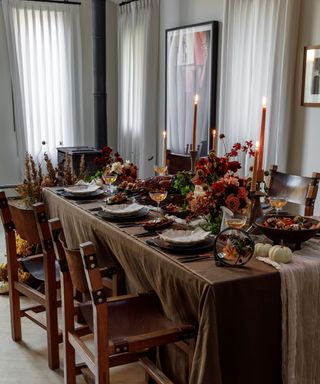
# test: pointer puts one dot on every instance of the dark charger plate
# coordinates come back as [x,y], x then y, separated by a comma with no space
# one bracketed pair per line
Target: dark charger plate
[109,216]
[201,247]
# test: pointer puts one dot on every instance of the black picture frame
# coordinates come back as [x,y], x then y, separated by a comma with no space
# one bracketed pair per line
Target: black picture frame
[213,74]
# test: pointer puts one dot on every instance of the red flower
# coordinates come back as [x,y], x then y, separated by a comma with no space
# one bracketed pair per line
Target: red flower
[234,166]
[218,187]
[242,193]
[233,203]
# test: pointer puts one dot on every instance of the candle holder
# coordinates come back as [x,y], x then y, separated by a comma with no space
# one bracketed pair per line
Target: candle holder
[256,209]
[193,156]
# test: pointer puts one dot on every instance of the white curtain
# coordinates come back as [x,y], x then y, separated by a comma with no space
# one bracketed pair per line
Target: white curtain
[138,42]
[45,58]
[258,59]
[188,74]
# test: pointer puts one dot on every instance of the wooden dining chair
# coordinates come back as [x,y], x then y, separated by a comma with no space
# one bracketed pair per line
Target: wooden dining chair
[17,221]
[299,190]
[177,162]
[125,328]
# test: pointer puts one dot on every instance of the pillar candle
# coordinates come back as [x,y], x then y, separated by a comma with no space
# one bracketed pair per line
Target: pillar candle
[196,98]
[164,158]
[254,172]
[262,129]
[214,134]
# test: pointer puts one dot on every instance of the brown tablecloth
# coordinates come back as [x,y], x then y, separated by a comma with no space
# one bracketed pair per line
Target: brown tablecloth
[237,311]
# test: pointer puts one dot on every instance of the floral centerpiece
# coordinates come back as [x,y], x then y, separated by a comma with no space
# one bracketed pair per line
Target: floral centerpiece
[126,171]
[220,186]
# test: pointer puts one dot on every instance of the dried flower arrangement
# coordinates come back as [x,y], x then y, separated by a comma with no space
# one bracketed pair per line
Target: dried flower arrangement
[31,188]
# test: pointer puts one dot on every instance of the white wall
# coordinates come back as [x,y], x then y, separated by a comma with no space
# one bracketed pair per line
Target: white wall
[304,155]
[9,163]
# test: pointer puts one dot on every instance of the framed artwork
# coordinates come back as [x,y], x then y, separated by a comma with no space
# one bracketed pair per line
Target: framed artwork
[191,70]
[310,95]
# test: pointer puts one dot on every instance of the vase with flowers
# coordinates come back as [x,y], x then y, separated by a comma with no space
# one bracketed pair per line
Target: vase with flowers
[221,187]
[113,164]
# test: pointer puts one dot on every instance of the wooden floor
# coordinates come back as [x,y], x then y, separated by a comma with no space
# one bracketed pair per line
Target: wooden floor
[26,362]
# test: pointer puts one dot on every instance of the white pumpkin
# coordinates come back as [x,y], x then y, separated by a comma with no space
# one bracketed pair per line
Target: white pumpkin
[261,249]
[280,254]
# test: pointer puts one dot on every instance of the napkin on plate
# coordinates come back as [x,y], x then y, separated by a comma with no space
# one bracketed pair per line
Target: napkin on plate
[123,209]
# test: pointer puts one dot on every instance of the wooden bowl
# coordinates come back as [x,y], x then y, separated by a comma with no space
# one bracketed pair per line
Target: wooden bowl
[279,236]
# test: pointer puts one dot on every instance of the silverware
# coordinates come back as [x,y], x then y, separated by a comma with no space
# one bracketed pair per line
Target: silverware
[128,225]
[96,209]
[191,259]
[145,234]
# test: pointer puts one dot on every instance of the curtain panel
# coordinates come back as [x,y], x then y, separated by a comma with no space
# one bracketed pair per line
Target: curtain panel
[259,45]
[138,62]
[45,61]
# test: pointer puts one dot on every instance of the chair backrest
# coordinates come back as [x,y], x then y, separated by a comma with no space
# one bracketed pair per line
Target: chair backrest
[69,259]
[296,189]
[177,162]
[23,219]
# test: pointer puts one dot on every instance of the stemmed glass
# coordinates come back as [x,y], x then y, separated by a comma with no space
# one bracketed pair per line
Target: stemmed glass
[109,178]
[277,203]
[158,196]
[161,170]
[237,221]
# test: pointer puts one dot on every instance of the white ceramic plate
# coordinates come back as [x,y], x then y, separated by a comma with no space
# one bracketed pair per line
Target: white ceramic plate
[123,209]
[82,190]
[184,238]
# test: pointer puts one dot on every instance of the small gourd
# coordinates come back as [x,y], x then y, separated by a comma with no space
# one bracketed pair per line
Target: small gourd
[261,249]
[280,254]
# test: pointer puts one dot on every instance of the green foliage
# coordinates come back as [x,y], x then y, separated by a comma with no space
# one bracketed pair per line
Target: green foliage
[182,183]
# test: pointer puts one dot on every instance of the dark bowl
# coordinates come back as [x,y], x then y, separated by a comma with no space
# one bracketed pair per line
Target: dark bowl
[287,236]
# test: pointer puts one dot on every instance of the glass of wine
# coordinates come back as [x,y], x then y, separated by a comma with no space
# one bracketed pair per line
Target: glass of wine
[160,170]
[109,178]
[158,196]
[277,203]
[237,221]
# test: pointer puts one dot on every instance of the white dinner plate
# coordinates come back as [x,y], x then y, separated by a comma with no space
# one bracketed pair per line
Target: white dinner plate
[123,209]
[184,238]
[82,190]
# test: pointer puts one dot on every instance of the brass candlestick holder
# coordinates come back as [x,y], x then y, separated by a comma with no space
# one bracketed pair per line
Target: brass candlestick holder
[256,209]
[255,197]
[193,156]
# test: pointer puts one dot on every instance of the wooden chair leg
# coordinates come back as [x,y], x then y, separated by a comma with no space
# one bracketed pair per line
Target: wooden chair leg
[51,312]
[14,295]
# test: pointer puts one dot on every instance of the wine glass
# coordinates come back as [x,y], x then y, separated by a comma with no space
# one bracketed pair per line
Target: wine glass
[277,203]
[161,170]
[237,221]
[158,196]
[109,178]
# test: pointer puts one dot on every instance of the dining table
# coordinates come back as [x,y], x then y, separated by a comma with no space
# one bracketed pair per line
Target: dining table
[236,310]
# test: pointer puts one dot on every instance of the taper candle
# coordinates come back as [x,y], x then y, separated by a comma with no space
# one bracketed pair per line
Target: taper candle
[164,158]
[214,134]
[254,172]
[196,99]
[262,132]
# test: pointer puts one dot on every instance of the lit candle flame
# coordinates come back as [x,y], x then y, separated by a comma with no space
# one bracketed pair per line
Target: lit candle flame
[257,145]
[214,132]
[196,99]
[264,102]
[164,134]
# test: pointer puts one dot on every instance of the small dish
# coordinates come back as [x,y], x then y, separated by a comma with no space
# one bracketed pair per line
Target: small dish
[158,223]
[184,238]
